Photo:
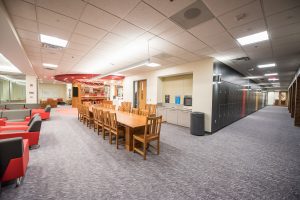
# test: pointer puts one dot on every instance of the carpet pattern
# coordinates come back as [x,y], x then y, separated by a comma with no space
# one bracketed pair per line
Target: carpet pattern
[257,157]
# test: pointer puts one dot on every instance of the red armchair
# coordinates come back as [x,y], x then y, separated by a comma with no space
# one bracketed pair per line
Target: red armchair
[32,133]
[44,113]
[14,158]
[26,122]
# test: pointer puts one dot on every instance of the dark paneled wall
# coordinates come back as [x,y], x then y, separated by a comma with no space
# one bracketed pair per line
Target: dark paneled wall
[231,98]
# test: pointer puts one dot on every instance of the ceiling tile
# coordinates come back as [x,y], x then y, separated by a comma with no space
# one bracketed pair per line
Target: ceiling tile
[114,39]
[166,29]
[21,9]
[205,51]
[248,29]
[251,13]
[75,52]
[218,7]
[99,18]
[168,7]
[144,16]
[271,6]
[55,32]
[288,40]
[25,24]
[71,8]
[187,41]
[55,20]
[82,40]
[285,31]
[90,31]
[225,46]
[189,57]
[28,35]
[70,58]
[32,49]
[79,47]
[284,18]
[127,30]
[32,43]
[217,39]
[116,7]
[208,28]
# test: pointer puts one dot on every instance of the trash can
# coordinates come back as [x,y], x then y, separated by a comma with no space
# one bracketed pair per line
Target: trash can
[197,123]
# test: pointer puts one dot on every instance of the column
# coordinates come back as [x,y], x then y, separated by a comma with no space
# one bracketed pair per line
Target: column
[31,89]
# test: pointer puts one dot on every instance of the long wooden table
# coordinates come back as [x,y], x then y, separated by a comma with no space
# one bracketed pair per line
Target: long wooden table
[131,122]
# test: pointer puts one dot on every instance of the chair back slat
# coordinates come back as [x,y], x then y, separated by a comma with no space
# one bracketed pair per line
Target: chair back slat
[153,126]
[113,122]
[106,118]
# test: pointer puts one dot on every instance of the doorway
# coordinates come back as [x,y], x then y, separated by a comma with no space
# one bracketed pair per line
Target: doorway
[139,94]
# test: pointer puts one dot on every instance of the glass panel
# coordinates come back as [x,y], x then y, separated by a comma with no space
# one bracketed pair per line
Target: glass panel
[17,92]
[4,91]
[12,89]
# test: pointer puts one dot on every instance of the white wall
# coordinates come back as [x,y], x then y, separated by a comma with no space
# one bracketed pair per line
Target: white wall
[48,90]
[202,85]
[31,89]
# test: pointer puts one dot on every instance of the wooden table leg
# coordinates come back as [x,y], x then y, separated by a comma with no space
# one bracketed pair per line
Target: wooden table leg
[128,139]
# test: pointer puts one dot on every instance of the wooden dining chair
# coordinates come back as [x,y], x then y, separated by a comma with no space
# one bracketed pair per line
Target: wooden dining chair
[95,115]
[151,133]
[80,112]
[106,124]
[100,120]
[88,117]
[115,129]
[144,112]
[135,111]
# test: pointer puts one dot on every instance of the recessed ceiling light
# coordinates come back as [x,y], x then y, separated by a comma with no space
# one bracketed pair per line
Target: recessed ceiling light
[53,40]
[273,79]
[7,66]
[266,65]
[271,74]
[250,39]
[152,64]
[49,65]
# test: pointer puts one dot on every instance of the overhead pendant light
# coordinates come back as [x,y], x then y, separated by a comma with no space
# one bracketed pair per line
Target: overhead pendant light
[149,63]
[254,38]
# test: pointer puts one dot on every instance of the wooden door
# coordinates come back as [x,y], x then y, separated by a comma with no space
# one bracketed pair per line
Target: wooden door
[142,94]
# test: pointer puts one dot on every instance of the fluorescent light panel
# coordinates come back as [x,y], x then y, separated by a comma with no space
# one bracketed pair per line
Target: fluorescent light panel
[250,39]
[152,64]
[49,65]
[7,66]
[267,65]
[273,79]
[271,74]
[53,40]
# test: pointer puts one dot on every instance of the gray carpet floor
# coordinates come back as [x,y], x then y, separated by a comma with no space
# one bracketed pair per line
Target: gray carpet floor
[257,157]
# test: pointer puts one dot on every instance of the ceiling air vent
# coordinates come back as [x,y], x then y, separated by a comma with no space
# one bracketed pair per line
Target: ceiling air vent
[163,56]
[50,46]
[49,68]
[194,14]
[241,59]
